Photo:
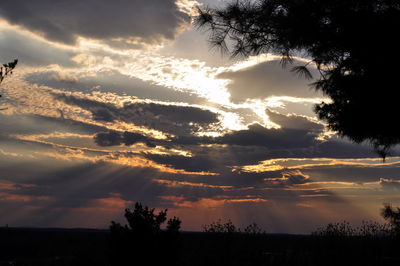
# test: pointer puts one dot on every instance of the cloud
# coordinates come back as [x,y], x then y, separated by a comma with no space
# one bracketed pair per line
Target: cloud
[336,147]
[296,134]
[32,51]
[349,173]
[115,82]
[69,172]
[268,79]
[29,124]
[288,178]
[119,21]
[71,186]
[110,112]
[295,122]
[114,138]
[195,163]
[174,119]
[389,184]
[64,77]
[193,45]
[56,187]
[295,177]
[257,135]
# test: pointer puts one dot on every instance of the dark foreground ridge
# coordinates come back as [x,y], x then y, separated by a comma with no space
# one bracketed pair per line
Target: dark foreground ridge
[48,246]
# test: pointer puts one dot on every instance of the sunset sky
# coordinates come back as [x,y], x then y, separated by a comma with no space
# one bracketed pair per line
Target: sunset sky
[114,102]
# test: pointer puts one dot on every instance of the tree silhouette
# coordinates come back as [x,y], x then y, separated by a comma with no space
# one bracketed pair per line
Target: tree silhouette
[144,237]
[352,43]
[173,225]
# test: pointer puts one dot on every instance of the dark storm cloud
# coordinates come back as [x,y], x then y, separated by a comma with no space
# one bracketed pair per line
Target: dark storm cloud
[294,122]
[349,173]
[295,132]
[64,21]
[257,135]
[180,120]
[247,155]
[31,51]
[278,142]
[336,147]
[114,138]
[268,79]
[295,139]
[196,163]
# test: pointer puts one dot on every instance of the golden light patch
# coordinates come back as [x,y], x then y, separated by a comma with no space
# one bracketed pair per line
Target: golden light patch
[304,163]
[171,183]
[263,166]
[4,196]
[205,203]
[56,135]
[314,195]
[188,6]
[6,153]
[138,148]
[7,185]
[126,158]
[114,201]
[172,198]
[136,161]
[68,155]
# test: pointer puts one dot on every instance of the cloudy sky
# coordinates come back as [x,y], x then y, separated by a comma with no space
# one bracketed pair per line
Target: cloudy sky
[115,102]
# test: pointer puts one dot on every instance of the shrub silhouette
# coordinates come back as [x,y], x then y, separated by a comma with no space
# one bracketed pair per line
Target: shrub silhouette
[253,229]
[224,243]
[339,229]
[367,229]
[143,237]
[219,227]
[393,216]
[229,227]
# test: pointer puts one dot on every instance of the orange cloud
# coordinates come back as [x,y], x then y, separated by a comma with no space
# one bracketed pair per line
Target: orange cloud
[301,163]
[4,196]
[204,203]
[171,183]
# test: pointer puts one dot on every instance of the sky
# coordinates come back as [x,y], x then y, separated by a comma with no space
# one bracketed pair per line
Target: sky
[117,102]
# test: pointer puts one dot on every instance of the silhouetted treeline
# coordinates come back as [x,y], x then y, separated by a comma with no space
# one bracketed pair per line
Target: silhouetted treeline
[24,246]
[70,247]
[143,241]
